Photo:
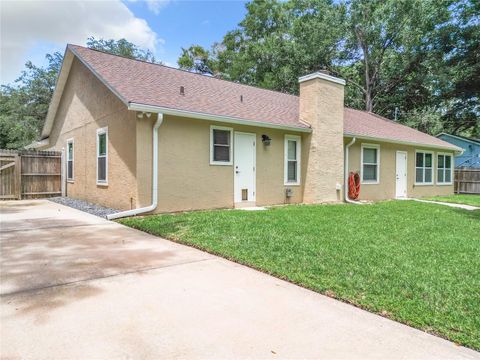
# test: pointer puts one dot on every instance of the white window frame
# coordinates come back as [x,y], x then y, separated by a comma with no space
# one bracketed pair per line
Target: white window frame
[445,169]
[212,161]
[370,146]
[298,140]
[71,179]
[101,131]
[416,167]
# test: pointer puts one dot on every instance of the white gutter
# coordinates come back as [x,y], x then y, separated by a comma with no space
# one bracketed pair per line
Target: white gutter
[347,147]
[204,116]
[455,149]
[153,206]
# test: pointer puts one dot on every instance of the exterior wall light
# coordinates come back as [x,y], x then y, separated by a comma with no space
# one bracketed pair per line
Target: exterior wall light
[266,140]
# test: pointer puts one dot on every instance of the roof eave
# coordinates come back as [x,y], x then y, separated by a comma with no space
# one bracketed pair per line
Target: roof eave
[401,142]
[473,141]
[219,118]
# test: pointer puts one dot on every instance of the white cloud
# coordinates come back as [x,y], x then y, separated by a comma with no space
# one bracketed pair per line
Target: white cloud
[26,24]
[156,5]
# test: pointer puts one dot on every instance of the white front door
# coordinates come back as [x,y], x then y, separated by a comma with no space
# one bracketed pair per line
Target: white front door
[244,167]
[401,175]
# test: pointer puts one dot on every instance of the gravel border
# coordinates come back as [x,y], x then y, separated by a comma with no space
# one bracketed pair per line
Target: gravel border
[84,206]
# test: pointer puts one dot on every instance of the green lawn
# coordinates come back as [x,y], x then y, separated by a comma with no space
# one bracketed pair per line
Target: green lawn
[473,200]
[417,263]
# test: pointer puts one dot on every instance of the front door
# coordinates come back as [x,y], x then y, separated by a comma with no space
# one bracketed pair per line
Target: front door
[401,175]
[244,166]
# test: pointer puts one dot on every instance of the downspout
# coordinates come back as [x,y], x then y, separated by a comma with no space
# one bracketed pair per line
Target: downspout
[153,206]
[345,181]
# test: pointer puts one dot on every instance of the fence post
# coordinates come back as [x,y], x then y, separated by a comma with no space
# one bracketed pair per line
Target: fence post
[18,177]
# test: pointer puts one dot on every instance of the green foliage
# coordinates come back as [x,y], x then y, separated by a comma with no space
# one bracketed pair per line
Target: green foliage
[197,59]
[24,104]
[405,56]
[413,262]
[121,47]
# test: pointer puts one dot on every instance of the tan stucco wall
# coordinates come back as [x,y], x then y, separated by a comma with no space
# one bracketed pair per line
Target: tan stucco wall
[187,181]
[321,106]
[86,106]
[386,188]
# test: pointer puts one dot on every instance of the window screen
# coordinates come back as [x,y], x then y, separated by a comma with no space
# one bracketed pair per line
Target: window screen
[70,160]
[102,156]
[221,145]
[370,164]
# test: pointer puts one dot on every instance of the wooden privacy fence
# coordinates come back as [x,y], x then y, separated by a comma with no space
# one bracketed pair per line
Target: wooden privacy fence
[467,181]
[30,174]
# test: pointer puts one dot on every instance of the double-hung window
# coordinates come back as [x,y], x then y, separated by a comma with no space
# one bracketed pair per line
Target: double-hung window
[370,164]
[444,169]
[102,156]
[220,145]
[424,168]
[292,160]
[70,155]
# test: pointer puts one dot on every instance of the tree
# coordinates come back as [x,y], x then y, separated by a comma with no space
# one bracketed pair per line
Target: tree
[459,94]
[121,47]
[398,56]
[24,104]
[197,59]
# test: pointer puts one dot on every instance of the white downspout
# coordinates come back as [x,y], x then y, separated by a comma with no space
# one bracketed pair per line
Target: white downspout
[347,147]
[153,206]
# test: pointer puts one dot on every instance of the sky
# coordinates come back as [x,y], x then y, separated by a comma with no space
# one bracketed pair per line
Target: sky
[31,29]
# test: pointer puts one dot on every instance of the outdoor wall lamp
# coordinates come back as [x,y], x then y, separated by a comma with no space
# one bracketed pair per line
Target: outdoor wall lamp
[140,115]
[266,140]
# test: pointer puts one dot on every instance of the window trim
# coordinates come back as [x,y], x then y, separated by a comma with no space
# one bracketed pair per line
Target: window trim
[433,168]
[370,146]
[224,163]
[101,131]
[444,171]
[298,140]
[72,179]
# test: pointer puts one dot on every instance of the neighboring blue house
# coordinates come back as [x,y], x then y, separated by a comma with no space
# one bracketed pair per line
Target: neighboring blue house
[471,147]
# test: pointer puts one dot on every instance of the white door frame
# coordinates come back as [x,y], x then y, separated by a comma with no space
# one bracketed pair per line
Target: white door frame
[406,172]
[254,195]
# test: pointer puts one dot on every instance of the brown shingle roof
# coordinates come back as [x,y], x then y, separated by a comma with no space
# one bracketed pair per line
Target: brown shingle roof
[157,85]
[362,123]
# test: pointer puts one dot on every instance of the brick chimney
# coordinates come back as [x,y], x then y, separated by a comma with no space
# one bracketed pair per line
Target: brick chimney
[322,106]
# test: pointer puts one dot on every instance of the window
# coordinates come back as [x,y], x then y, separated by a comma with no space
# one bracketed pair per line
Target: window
[220,145]
[292,159]
[70,159]
[444,169]
[102,156]
[370,164]
[424,168]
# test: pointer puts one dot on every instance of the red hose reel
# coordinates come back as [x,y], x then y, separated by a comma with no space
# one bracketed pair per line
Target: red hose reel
[353,185]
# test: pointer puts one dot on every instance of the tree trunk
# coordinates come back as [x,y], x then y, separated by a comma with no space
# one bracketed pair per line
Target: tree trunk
[369,99]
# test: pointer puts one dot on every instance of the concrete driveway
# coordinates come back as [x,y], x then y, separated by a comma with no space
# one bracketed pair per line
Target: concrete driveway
[77,286]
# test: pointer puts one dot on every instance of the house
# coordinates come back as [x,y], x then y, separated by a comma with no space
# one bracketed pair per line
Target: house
[470,157]
[140,135]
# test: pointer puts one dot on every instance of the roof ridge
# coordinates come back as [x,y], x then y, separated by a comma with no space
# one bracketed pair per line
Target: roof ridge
[182,70]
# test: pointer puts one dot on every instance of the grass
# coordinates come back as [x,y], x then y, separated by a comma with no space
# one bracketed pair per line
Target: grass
[416,263]
[473,200]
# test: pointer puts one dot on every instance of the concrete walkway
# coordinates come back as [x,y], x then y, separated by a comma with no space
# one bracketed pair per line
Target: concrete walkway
[77,286]
[459,206]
